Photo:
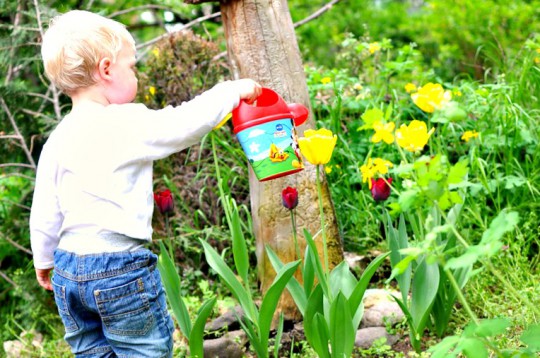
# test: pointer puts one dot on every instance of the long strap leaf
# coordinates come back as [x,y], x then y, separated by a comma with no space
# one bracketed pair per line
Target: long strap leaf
[171,284]
[196,340]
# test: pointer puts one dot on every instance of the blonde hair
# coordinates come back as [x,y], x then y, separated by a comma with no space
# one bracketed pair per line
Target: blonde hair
[75,43]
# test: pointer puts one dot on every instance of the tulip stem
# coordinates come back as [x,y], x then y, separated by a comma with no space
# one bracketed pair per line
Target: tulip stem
[323,231]
[296,246]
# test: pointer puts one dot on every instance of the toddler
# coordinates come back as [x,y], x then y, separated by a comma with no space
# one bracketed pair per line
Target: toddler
[93,199]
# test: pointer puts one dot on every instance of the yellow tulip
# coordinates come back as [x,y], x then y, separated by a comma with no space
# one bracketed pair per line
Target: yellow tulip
[317,145]
[383,132]
[413,137]
[431,97]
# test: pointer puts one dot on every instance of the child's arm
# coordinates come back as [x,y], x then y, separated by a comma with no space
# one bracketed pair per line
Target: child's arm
[45,220]
[156,134]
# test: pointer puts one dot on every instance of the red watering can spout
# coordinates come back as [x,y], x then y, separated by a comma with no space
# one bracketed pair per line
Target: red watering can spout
[300,113]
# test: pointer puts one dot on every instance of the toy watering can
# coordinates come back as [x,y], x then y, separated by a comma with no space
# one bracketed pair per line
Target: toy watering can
[267,132]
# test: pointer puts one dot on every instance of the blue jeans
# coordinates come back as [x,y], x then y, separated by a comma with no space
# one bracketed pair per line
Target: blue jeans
[112,304]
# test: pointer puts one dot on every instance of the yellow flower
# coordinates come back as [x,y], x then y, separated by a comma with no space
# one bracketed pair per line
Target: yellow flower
[374,47]
[413,137]
[368,172]
[317,145]
[457,93]
[358,86]
[374,166]
[469,134]
[410,87]
[383,131]
[328,168]
[152,90]
[381,165]
[431,97]
[326,80]
[155,52]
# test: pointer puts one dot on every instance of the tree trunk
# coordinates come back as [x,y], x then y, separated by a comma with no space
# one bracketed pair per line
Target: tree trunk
[262,45]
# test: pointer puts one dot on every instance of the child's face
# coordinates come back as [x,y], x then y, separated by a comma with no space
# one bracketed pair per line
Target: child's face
[123,86]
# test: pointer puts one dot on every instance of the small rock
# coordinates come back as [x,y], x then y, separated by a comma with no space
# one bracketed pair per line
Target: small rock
[381,314]
[13,349]
[228,346]
[227,320]
[373,296]
[366,336]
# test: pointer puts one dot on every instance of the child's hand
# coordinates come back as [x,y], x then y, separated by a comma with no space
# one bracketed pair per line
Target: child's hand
[248,89]
[44,279]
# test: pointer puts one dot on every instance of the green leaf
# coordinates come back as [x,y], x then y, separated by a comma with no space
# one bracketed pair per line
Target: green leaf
[309,272]
[474,348]
[317,263]
[342,280]
[342,331]
[370,117]
[312,326]
[458,172]
[425,285]
[531,337]
[171,284]
[356,297]
[279,334]
[503,223]
[240,252]
[196,340]
[294,287]
[443,348]
[240,293]
[492,327]
[468,259]
[271,298]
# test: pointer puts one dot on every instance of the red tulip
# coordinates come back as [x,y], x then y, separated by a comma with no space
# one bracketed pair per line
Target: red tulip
[164,201]
[289,197]
[380,190]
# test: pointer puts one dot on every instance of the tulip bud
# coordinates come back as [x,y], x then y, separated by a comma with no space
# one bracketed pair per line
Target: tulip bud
[164,201]
[289,197]
[380,190]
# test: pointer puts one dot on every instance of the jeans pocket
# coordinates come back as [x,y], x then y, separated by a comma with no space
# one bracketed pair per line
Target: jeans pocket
[125,310]
[63,310]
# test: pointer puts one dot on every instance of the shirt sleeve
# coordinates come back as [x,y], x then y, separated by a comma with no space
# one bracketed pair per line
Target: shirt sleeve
[45,216]
[155,134]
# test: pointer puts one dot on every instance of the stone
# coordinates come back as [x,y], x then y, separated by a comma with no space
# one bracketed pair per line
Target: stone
[228,346]
[366,336]
[382,314]
[228,320]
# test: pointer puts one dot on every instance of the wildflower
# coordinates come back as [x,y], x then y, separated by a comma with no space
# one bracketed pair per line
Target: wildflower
[431,97]
[358,86]
[329,168]
[413,137]
[380,190]
[326,80]
[317,145]
[469,134]
[155,52]
[410,87]
[368,172]
[457,92]
[381,165]
[152,90]
[164,201]
[383,132]
[289,198]
[374,47]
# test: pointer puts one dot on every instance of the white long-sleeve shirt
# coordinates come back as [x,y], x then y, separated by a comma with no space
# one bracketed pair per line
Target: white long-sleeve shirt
[95,171]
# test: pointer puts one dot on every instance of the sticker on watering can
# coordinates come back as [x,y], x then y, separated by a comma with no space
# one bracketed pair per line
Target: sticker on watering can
[272,148]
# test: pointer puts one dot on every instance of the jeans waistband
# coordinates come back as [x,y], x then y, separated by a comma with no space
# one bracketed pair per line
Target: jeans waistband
[99,266]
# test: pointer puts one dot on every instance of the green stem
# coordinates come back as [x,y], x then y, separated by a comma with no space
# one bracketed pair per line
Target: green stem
[321,209]
[296,246]
[460,295]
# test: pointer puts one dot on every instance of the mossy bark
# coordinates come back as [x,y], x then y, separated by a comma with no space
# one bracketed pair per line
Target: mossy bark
[262,45]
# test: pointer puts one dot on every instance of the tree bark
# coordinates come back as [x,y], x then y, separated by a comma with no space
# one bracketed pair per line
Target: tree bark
[262,45]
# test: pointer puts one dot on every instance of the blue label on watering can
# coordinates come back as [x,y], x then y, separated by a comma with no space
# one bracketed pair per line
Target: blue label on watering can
[272,148]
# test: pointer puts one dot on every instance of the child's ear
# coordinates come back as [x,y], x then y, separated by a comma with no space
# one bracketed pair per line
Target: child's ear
[104,67]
